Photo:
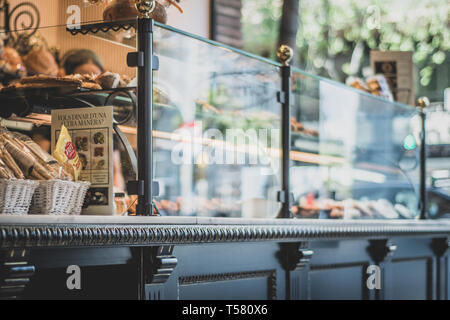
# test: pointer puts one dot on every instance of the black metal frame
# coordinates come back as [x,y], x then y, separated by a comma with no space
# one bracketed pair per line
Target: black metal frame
[146,62]
[423,167]
[212,20]
[284,97]
[32,13]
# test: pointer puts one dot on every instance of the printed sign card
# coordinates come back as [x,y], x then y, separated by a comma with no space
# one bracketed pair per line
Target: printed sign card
[397,67]
[91,130]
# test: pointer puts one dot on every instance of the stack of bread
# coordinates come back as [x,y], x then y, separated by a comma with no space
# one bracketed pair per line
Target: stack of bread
[22,158]
[29,176]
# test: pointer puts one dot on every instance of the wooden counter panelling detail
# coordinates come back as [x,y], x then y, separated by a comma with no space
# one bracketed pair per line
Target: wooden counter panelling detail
[59,235]
[15,273]
[269,275]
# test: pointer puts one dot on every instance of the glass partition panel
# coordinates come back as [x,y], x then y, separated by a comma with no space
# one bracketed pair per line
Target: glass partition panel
[355,156]
[216,129]
[217,132]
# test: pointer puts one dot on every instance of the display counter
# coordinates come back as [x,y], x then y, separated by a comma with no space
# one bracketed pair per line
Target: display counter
[229,157]
[219,258]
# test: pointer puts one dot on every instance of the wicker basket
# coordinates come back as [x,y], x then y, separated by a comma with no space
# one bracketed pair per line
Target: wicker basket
[16,195]
[59,197]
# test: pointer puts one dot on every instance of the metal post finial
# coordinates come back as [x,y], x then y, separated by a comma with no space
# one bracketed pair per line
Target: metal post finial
[423,102]
[285,54]
[145,7]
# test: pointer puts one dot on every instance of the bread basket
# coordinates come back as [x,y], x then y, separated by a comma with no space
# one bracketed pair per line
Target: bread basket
[16,196]
[59,197]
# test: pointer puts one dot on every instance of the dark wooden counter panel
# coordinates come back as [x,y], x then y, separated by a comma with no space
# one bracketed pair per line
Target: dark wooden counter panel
[218,258]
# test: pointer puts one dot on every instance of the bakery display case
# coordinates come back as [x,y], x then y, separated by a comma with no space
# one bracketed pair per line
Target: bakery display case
[217,128]
[211,151]
[216,124]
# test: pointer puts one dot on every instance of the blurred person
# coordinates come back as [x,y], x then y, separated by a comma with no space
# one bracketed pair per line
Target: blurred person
[81,61]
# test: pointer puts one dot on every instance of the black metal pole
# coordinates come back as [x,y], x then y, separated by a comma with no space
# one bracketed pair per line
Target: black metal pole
[6,17]
[145,115]
[423,168]
[285,55]
[422,104]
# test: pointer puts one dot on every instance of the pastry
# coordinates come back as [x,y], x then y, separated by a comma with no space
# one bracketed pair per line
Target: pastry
[51,81]
[91,86]
[12,59]
[379,86]
[109,80]
[124,81]
[44,81]
[120,10]
[87,81]
[358,84]
[126,9]
[41,61]
[296,126]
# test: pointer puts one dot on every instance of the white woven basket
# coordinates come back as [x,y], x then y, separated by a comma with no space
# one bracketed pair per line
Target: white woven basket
[59,197]
[16,195]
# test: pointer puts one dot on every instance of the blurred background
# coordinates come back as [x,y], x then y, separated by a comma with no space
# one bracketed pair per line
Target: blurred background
[334,37]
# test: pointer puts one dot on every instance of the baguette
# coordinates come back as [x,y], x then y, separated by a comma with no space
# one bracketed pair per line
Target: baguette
[42,171]
[9,161]
[5,172]
[46,165]
[39,166]
[36,176]
[23,159]
[34,147]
